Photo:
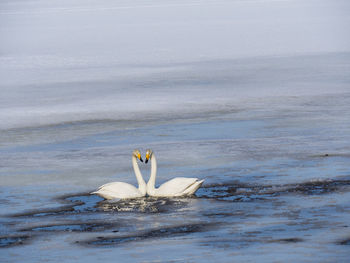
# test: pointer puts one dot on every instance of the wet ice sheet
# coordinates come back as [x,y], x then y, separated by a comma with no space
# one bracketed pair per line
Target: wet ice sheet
[277,175]
[264,189]
[293,142]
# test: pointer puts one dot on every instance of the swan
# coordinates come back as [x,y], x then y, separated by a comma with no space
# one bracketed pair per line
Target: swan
[179,186]
[124,190]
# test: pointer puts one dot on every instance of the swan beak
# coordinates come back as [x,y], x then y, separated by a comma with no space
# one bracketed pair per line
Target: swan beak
[140,158]
[147,157]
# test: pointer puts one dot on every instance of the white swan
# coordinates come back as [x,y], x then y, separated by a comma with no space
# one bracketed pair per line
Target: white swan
[124,190]
[179,186]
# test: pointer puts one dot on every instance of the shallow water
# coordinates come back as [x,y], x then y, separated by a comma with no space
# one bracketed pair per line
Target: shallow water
[223,219]
[264,120]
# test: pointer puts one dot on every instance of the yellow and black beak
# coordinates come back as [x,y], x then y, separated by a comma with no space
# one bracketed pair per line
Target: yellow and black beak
[147,157]
[139,156]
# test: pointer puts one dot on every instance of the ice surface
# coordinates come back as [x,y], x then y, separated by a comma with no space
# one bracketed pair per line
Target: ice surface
[118,60]
[178,91]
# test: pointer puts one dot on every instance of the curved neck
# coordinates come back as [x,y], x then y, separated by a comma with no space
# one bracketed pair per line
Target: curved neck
[152,179]
[141,182]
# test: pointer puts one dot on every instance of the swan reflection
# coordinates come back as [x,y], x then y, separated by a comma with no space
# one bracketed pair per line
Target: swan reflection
[144,205]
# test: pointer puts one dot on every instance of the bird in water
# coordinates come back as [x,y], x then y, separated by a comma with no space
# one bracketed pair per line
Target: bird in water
[179,186]
[121,190]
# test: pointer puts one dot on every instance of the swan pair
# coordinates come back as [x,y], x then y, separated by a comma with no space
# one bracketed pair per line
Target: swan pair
[179,186]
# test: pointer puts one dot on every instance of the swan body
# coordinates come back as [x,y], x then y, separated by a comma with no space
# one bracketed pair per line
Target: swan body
[118,190]
[179,186]
[121,190]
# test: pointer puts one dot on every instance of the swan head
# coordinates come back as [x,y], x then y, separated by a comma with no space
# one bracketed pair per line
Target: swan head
[149,153]
[137,154]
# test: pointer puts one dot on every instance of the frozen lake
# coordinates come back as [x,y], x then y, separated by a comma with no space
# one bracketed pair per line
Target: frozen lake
[252,96]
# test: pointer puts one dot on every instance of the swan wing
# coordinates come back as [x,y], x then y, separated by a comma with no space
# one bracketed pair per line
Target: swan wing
[176,186]
[118,190]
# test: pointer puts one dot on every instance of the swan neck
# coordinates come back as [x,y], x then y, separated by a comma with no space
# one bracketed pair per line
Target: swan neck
[139,178]
[152,180]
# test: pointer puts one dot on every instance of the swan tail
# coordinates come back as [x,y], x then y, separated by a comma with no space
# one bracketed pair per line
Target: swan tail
[104,194]
[98,192]
[191,189]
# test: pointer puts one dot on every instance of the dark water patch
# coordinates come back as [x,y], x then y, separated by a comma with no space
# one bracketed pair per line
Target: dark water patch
[77,203]
[317,187]
[73,227]
[46,212]
[325,155]
[144,205]
[226,243]
[229,192]
[237,243]
[219,215]
[344,242]
[86,203]
[287,240]
[9,241]
[150,234]
[237,192]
